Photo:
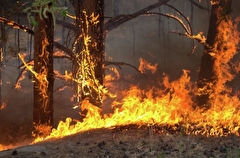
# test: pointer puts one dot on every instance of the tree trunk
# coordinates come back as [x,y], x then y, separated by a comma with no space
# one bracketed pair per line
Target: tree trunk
[208,77]
[89,49]
[3,41]
[43,77]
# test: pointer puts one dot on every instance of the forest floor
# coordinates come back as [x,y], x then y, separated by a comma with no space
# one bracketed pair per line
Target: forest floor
[130,142]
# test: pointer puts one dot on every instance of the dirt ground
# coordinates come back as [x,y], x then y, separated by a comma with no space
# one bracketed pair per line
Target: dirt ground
[130,142]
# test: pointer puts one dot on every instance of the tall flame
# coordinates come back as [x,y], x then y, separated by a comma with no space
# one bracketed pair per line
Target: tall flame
[172,104]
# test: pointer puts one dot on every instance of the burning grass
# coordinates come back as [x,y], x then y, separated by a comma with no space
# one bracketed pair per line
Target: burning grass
[170,107]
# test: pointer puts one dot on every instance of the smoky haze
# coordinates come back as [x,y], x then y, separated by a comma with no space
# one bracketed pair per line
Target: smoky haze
[150,37]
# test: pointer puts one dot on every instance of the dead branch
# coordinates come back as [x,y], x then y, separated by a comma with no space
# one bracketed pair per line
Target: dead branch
[16,25]
[60,76]
[62,57]
[20,78]
[188,30]
[120,19]
[199,37]
[198,5]
[119,64]
[63,48]
[30,62]
[22,72]
[188,27]
[31,32]
[66,24]
[61,88]
[185,27]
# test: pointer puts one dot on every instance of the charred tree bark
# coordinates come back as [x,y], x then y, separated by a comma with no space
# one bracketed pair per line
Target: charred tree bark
[207,77]
[90,22]
[43,77]
[3,41]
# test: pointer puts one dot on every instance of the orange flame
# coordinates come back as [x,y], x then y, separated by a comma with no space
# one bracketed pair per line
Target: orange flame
[148,107]
[172,104]
[144,65]
[3,106]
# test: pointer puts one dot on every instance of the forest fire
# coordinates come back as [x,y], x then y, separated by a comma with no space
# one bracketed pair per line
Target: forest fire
[172,104]
[165,103]
[156,107]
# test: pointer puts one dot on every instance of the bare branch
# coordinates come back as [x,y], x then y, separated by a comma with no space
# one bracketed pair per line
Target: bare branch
[185,27]
[119,64]
[198,5]
[199,37]
[66,24]
[29,31]
[16,25]
[188,27]
[120,19]
[63,48]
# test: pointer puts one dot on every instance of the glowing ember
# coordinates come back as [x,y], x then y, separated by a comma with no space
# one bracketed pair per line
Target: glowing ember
[3,106]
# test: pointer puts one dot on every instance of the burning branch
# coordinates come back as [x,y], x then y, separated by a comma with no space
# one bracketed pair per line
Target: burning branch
[31,32]
[63,48]
[61,55]
[199,37]
[120,19]
[30,63]
[22,73]
[16,25]
[187,27]
[119,64]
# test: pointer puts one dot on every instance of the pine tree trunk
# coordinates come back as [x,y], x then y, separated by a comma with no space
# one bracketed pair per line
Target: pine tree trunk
[207,77]
[90,21]
[43,79]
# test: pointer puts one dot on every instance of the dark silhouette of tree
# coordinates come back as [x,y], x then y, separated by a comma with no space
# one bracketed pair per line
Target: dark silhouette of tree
[43,76]
[208,77]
